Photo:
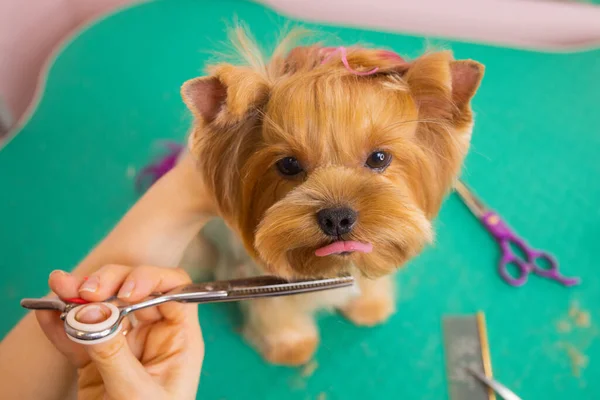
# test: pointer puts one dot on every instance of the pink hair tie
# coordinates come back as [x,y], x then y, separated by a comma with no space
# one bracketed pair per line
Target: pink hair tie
[344,56]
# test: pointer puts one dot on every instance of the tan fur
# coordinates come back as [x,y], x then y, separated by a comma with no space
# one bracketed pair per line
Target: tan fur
[375,304]
[249,117]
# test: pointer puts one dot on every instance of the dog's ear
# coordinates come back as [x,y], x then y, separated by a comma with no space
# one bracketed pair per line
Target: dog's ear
[465,76]
[204,97]
[226,96]
[442,86]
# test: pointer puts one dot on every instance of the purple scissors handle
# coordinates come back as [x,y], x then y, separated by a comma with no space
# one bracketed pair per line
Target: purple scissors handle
[505,237]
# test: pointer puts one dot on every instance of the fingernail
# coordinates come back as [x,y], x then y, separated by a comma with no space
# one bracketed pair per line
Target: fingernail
[126,289]
[91,285]
[92,314]
[59,272]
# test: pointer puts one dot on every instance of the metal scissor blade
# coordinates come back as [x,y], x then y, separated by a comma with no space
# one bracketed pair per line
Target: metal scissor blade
[267,286]
[475,205]
[247,288]
[496,386]
[44,304]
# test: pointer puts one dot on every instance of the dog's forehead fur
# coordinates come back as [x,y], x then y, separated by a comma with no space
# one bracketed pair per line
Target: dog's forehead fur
[331,119]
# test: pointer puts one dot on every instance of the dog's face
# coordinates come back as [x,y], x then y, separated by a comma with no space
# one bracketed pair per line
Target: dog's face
[320,170]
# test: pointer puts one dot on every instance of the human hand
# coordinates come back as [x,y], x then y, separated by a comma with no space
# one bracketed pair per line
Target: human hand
[157,357]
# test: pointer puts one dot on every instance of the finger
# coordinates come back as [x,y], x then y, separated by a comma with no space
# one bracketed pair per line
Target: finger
[145,280]
[148,315]
[53,328]
[173,311]
[121,371]
[104,283]
[64,284]
[185,383]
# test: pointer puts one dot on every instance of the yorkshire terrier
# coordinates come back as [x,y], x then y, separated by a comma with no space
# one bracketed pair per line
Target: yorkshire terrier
[325,161]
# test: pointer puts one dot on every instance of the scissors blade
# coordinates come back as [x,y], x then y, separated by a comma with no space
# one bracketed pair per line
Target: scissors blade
[44,304]
[269,286]
[499,388]
[473,203]
[247,288]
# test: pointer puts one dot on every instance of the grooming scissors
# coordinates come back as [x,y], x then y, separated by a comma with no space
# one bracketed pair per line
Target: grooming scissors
[496,386]
[505,237]
[209,292]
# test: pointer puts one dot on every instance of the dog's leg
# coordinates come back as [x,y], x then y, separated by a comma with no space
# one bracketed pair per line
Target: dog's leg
[281,329]
[375,304]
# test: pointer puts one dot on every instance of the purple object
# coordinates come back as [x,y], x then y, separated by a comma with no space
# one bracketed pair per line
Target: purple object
[505,237]
[153,172]
[508,240]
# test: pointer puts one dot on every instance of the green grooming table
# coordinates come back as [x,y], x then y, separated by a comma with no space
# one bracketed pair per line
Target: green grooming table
[113,92]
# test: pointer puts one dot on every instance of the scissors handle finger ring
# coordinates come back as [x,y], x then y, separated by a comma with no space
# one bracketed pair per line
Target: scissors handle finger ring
[518,279]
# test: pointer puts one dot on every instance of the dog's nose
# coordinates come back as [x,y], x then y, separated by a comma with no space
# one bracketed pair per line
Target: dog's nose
[336,221]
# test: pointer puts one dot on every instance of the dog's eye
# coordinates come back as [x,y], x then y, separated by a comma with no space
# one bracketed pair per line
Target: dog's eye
[289,166]
[378,160]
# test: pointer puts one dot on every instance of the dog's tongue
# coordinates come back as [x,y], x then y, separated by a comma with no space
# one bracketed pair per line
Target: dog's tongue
[344,247]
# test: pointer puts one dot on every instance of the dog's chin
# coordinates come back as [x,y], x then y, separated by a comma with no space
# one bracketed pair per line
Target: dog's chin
[303,263]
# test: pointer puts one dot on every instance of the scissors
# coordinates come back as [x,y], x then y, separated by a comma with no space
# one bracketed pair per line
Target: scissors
[210,292]
[505,237]
[496,386]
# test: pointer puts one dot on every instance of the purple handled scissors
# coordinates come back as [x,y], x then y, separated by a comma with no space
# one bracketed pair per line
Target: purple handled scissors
[505,238]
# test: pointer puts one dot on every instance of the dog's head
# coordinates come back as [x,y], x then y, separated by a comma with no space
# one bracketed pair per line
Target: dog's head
[329,159]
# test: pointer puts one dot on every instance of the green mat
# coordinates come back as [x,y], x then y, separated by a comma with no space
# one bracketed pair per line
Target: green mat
[113,92]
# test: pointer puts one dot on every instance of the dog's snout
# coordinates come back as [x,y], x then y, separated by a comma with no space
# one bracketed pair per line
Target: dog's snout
[336,221]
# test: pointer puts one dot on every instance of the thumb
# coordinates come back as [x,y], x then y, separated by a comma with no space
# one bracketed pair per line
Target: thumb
[121,371]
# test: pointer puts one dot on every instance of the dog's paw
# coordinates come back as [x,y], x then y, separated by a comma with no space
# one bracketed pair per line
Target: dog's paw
[369,311]
[286,347]
[290,350]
